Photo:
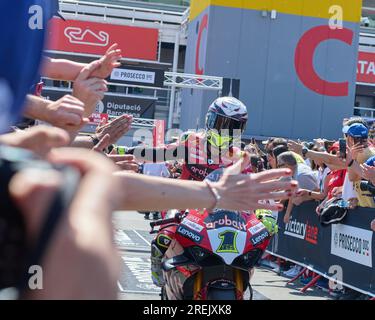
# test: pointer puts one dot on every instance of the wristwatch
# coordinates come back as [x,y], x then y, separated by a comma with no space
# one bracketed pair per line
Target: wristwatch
[305,151]
[94,139]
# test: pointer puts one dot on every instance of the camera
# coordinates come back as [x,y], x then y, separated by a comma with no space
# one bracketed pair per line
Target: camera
[367,186]
[16,252]
[342,148]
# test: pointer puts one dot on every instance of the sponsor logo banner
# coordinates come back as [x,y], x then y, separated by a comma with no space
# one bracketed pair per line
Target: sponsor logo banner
[98,118]
[352,243]
[192,225]
[133,76]
[96,38]
[118,105]
[115,105]
[366,67]
[158,133]
[303,231]
[225,219]
[257,228]
[138,76]
[349,246]
[190,234]
[255,240]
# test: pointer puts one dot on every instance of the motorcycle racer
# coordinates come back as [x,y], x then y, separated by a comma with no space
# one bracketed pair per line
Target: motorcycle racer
[203,152]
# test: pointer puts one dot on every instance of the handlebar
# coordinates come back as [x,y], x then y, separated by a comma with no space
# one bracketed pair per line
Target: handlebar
[163,222]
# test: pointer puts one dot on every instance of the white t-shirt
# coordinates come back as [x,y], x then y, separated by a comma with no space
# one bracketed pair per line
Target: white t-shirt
[348,191]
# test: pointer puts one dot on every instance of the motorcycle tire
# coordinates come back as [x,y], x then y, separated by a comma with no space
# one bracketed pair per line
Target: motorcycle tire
[251,292]
[163,294]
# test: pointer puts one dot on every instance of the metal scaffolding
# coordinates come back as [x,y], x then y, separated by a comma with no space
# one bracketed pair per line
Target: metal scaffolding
[193,81]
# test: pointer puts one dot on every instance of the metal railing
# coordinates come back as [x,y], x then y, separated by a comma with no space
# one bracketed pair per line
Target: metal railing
[132,14]
[364,112]
[169,23]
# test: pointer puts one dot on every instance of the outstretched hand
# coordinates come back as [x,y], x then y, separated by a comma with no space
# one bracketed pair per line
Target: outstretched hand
[108,62]
[115,128]
[368,173]
[88,89]
[244,192]
[295,146]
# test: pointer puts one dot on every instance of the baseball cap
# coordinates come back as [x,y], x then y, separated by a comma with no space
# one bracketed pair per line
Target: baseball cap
[335,146]
[356,130]
[371,162]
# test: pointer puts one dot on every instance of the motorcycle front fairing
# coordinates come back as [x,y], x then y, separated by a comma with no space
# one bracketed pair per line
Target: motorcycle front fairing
[222,238]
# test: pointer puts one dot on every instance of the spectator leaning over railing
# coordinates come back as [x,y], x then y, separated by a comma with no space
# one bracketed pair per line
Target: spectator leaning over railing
[302,173]
[368,172]
[281,145]
[358,153]
[333,180]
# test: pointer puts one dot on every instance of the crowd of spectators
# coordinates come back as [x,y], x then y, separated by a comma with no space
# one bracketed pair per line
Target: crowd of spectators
[327,172]
[59,188]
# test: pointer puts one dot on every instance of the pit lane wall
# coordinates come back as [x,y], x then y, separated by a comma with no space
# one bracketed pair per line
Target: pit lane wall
[296,65]
[344,252]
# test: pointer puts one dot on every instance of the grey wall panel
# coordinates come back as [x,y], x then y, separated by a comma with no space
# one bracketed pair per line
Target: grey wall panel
[252,69]
[260,52]
[279,100]
[222,49]
[336,109]
[191,107]
[308,107]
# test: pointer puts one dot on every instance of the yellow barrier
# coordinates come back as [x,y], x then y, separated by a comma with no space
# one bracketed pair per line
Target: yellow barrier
[351,9]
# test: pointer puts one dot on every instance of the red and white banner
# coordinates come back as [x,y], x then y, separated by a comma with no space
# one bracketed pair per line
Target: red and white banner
[366,67]
[98,118]
[96,38]
[158,133]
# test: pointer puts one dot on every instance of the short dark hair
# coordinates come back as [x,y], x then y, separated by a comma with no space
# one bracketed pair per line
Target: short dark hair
[279,150]
[279,142]
[287,158]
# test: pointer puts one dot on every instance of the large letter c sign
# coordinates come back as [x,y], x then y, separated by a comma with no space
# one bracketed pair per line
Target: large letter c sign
[203,25]
[304,60]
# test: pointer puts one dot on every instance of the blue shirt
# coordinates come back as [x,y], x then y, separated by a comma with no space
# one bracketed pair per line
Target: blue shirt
[20,53]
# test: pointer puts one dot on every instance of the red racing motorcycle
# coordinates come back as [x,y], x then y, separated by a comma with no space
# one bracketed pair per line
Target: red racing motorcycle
[211,256]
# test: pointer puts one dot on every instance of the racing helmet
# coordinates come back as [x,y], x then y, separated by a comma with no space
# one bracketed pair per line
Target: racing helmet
[225,114]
